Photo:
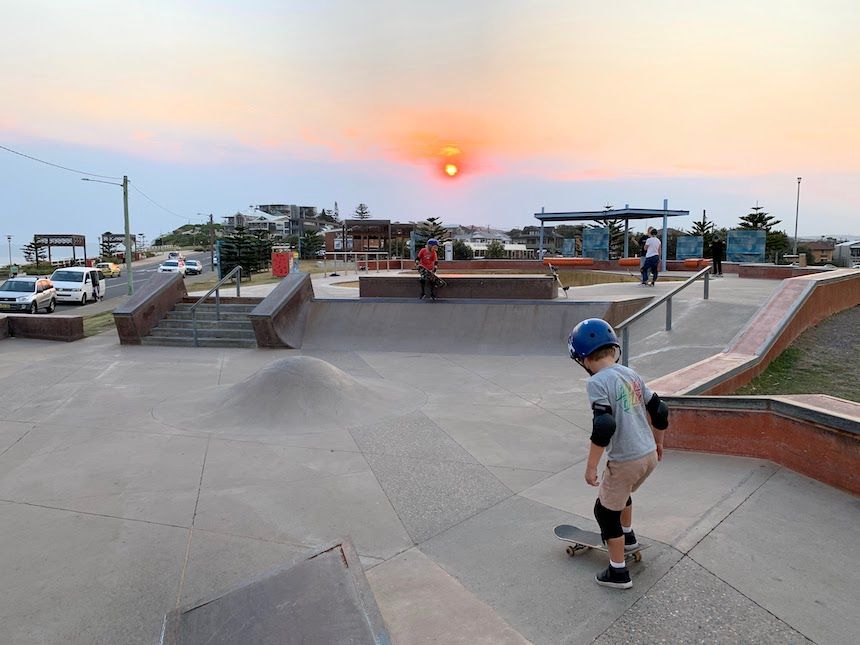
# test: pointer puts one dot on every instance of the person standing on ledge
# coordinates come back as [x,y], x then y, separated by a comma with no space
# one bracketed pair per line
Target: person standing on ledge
[652,258]
[427,263]
[717,248]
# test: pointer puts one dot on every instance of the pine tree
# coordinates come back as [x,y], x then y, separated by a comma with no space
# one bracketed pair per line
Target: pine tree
[758,220]
[328,216]
[431,227]
[706,229]
[362,212]
[311,243]
[107,249]
[29,251]
[774,244]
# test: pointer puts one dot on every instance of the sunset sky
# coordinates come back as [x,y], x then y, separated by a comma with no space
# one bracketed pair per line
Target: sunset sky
[212,105]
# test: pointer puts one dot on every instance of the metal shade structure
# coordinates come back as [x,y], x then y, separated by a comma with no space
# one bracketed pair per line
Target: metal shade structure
[61,239]
[625,213]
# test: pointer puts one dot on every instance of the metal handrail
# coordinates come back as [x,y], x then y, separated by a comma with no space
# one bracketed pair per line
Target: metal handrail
[236,270]
[624,326]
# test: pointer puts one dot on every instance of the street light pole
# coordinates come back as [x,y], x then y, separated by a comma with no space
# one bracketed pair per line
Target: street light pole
[796,214]
[9,240]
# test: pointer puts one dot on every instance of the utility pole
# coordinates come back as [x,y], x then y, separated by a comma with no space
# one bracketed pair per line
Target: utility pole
[211,242]
[796,214]
[128,274]
[9,239]
[128,271]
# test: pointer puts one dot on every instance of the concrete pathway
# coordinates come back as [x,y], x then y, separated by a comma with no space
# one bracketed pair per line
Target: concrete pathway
[114,510]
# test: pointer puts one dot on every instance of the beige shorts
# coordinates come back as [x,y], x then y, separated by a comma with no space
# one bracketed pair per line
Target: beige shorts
[621,478]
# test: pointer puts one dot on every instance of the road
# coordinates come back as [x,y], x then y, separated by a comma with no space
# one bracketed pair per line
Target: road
[118,287]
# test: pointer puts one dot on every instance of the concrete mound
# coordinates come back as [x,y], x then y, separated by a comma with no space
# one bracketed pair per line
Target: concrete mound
[292,395]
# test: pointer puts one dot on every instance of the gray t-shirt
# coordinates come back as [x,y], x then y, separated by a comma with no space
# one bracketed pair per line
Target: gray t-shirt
[625,392]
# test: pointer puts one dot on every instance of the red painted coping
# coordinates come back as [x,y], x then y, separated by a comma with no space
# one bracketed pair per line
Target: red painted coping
[628,262]
[570,262]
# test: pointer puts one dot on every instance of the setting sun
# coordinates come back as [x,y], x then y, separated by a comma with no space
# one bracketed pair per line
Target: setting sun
[451,169]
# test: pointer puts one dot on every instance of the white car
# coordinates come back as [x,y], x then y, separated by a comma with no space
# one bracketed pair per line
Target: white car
[79,284]
[172,266]
[28,293]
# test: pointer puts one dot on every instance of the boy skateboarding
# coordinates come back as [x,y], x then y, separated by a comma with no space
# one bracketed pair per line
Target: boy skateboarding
[427,262]
[622,405]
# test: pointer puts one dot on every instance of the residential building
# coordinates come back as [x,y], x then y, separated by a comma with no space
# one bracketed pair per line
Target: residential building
[279,220]
[552,241]
[821,252]
[479,238]
[847,254]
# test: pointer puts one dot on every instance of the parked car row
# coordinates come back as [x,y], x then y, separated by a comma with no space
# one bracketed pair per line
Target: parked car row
[40,293]
[76,284]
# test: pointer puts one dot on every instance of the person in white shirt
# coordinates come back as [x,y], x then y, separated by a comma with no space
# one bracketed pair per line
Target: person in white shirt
[652,258]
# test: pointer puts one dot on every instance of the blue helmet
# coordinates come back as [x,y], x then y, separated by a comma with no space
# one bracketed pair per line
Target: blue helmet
[589,336]
[432,242]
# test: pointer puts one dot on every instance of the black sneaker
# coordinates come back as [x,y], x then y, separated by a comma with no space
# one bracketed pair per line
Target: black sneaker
[422,297]
[630,543]
[614,577]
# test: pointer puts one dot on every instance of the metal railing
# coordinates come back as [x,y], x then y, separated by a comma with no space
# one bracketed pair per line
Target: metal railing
[624,326]
[237,271]
[345,264]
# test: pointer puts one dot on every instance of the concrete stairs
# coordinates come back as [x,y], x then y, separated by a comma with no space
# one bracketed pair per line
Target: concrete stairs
[232,330]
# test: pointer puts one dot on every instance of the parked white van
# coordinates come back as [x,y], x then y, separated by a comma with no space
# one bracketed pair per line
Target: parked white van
[79,284]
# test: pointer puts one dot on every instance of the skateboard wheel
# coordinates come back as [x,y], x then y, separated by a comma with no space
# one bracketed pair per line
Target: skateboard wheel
[637,556]
[571,551]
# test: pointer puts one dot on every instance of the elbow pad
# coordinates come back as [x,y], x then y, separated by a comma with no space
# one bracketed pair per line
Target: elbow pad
[602,426]
[659,412]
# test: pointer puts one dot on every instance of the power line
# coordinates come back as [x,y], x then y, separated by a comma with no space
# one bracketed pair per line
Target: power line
[56,165]
[166,210]
[92,174]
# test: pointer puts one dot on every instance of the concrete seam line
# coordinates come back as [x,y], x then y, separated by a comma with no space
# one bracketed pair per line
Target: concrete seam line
[191,529]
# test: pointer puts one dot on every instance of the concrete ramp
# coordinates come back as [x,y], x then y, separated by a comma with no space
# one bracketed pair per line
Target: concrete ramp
[323,600]
[289,396]
[471,327]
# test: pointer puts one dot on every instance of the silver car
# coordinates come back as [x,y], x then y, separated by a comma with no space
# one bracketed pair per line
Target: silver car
[28,293]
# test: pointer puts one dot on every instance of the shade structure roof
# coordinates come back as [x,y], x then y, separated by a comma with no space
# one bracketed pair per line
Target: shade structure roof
[618,213]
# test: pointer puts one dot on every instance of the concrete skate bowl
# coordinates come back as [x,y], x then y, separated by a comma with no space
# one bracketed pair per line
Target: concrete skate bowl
[290,396]
[498,327]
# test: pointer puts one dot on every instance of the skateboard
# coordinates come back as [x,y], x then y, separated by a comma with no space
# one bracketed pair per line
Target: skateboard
[582,540]
[558,279]
[437,281]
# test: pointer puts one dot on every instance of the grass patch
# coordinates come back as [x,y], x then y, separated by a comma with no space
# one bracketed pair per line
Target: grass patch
[822,360]
[97,324]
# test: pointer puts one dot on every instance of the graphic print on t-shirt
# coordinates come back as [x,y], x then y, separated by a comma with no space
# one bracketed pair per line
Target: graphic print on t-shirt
[628,395]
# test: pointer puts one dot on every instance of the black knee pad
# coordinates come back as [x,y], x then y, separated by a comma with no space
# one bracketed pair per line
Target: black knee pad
[629,501]
[608,521]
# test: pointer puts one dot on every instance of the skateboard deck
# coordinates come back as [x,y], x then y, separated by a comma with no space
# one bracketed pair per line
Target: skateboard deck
[582,540]
[558,279]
